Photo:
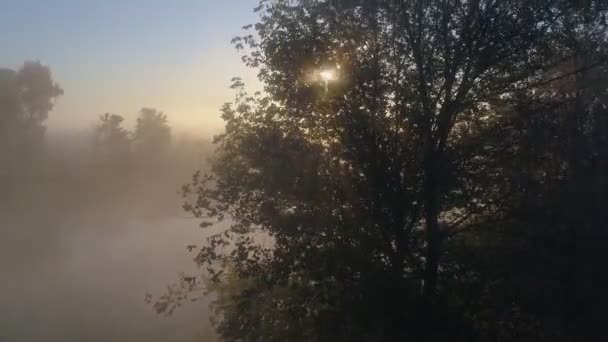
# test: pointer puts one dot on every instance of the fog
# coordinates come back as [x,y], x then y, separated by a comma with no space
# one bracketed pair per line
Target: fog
[297,170]
[90,211]
[85,237]
[90,286]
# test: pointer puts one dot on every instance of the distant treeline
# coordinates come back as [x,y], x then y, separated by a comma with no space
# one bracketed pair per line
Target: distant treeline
[140,170]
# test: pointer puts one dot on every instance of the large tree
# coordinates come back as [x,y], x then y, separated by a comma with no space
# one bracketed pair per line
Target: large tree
[381,136]
[27,95]
[111,138]
[538,261]
[152,133]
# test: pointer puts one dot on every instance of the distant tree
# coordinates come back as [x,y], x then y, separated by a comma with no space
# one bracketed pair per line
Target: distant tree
[152,134]
[111,138]
[388,132]
[26,98]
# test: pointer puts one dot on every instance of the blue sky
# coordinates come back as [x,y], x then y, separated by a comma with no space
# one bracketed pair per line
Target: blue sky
[120,55]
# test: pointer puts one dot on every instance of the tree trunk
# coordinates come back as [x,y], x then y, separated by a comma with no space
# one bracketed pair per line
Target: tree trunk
[431,215]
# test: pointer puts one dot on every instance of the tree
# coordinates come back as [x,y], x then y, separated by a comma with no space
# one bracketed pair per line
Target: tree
[548,246]
[152,133]
[26,98]
[111,139]
[364,185]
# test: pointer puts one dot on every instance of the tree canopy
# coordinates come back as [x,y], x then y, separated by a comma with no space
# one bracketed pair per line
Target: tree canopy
[27,96]
[433,188]
[111,138]
[152,133]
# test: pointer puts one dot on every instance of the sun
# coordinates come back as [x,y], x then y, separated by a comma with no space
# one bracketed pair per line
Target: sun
[328,74]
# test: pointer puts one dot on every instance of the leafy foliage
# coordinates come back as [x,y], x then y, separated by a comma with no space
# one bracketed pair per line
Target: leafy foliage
[152,133]
[26,97]
[111,138]
[412,196]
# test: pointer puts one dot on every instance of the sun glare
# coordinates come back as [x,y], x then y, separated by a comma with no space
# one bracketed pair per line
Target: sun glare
[328,74]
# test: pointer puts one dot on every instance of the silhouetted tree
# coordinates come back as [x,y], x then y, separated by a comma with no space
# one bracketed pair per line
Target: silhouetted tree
[152,134]
[111,138]
[354,191]
[537,262]
[26,97]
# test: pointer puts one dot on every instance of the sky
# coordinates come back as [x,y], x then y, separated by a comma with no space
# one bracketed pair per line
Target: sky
[121,55]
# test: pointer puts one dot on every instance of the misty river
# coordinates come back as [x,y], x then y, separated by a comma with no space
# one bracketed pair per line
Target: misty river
[90,285]
[81,245]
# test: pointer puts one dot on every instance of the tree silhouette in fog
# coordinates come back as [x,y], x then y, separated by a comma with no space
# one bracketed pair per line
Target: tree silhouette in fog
[443,184]
[152,134]
[26,97]
[111,138]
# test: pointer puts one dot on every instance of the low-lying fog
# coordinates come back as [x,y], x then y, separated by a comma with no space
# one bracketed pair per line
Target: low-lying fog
[85,238]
